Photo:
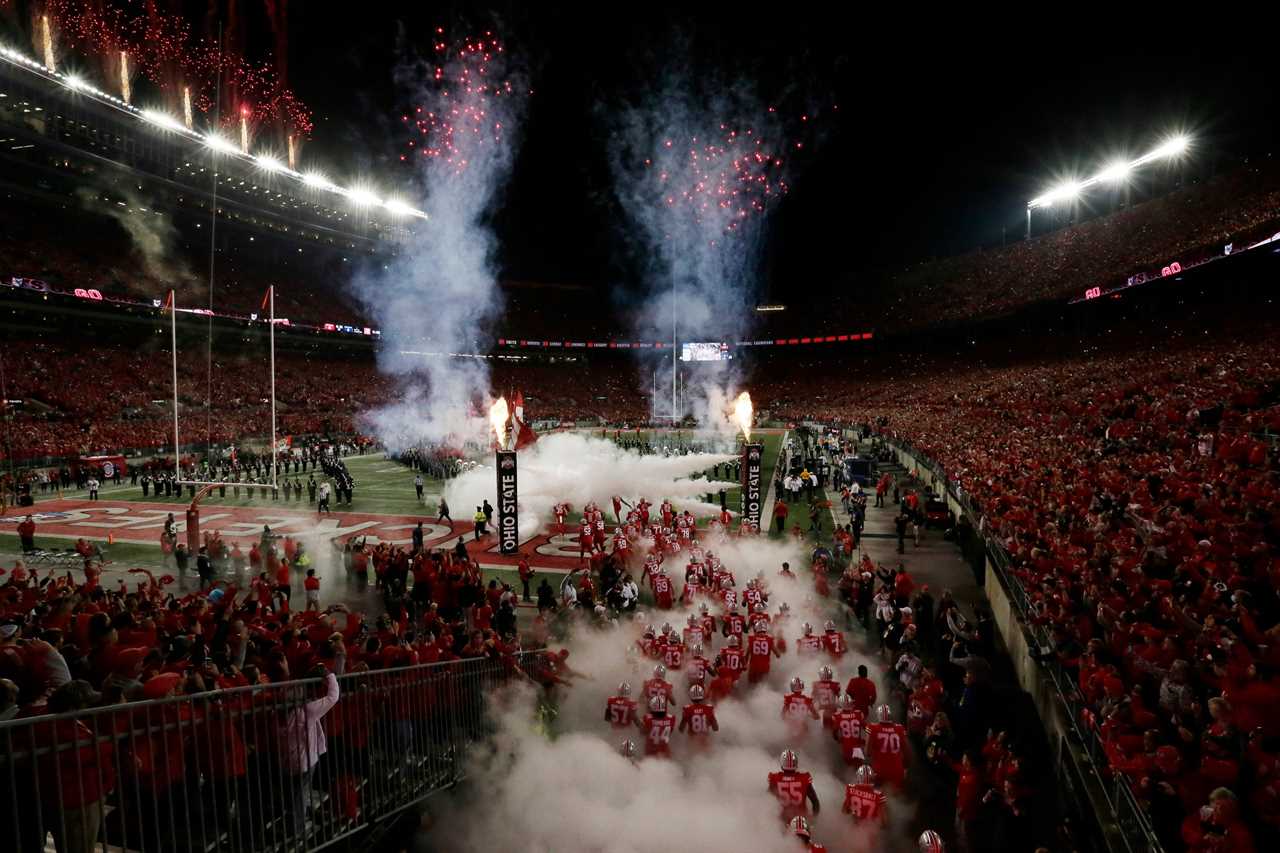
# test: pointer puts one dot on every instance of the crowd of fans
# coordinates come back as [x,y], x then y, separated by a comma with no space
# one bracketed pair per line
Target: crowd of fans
[1138,499]
[125,400]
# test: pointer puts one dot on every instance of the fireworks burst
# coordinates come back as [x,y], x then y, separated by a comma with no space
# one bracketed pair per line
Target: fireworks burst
[721,180]
[465,80]
[162,49]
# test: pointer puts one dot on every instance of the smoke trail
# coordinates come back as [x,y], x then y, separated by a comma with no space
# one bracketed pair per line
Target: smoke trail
[697,171]
[575,793]
[439,295]
[153,235]
[580,467]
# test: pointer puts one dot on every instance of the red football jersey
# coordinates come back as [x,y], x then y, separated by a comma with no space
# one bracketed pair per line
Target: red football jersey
[810,644]
[733,658]
[698,719]
[658,687]
[657,734]
[697,669]
[791,789]
[734,623]
[885,745]
[662,593]
[673,655]
[834,641]
[826,695]
[797,706]
[761,647]
[621,712]
[864,802]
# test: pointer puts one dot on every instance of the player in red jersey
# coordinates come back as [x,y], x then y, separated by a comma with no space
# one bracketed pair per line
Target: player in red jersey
[696,666]
[657,727]
[707,620]
[826,694]
[673,653]
[620,710]
[658,685]
[586,539]
[759,613]
[863,800]
[693,634]
[809,642]
[761,647]
[733,656]
[698,718]
[800,828]
[797,708]
[833,640]
[848,726]
[721,687]
[793,788]
[733,623]
[646,643]
[663,592]
[886,742]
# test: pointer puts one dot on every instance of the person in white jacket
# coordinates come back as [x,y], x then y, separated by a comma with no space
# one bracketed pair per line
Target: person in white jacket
[302,741]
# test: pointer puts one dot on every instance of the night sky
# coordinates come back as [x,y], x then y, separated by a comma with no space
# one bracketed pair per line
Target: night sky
[945,129]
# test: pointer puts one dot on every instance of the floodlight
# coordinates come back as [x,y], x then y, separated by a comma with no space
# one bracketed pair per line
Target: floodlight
[318,181]
[1116,172]
[267,163]
[363,198]
[164,120]
[220,144]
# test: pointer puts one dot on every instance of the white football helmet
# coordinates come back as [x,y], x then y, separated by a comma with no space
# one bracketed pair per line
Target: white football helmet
[829,626]
[660,671]
[696,693]
[624,689]
[733,641]
[628,749]
[825,673]
[789,761]
[931,842]
[797,685]
[800,827]
[864,775]
[807,629]
[658,704]
[884,714]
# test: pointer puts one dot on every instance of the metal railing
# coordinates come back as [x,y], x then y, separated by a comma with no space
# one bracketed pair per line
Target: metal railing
[1131,820]
[231,770]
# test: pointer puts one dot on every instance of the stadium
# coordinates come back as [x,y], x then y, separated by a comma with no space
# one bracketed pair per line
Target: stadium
[680,434]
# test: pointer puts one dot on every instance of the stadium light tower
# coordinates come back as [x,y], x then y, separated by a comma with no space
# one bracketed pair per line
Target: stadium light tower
[1118,171]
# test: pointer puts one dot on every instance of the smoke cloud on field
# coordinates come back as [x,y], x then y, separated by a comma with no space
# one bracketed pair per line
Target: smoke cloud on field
[577,793]
[439,295]
[697,170]
[578,467]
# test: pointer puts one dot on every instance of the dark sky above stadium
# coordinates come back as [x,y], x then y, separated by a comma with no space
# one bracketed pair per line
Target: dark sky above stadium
[945,127]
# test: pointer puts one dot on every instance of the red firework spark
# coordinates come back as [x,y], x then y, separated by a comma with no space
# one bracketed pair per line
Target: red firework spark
[720,181]
[162,49]
[468,77]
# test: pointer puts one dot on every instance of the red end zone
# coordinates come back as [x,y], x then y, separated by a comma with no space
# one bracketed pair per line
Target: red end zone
[142,523]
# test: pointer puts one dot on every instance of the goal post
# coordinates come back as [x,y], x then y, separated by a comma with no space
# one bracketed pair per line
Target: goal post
[177,441]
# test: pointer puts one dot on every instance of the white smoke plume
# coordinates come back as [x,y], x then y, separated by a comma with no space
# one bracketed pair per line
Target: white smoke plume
[439,294]
[576,793]
[697,170]
[574,467]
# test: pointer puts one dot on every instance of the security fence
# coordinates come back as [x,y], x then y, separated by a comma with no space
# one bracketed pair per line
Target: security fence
[245,769]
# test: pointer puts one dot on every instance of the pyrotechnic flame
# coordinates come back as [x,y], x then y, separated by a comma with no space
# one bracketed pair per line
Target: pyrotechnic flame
[498,417]
[742,412]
